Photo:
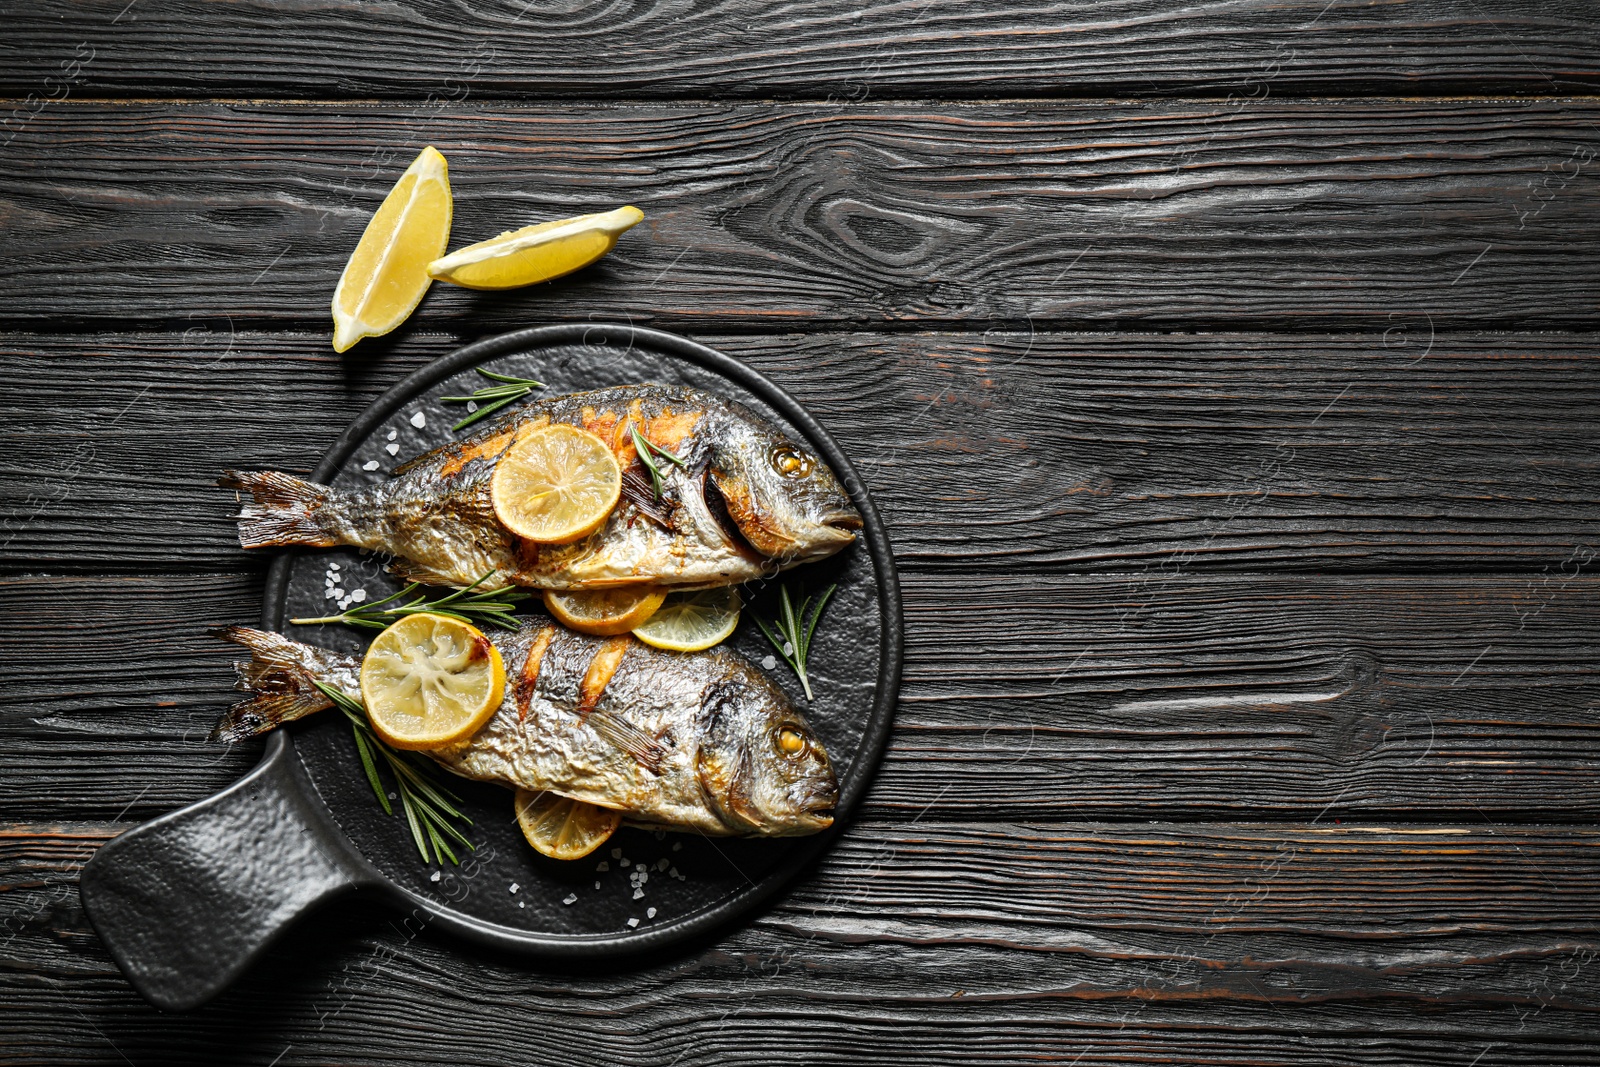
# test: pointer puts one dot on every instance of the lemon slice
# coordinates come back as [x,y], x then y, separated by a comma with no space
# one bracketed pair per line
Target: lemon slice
[387,273]
[555,484]
[604,612]
[429,680]
[689,622]
[535,253]
[563,828]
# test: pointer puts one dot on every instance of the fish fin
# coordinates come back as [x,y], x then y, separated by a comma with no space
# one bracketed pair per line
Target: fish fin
[409,571]
[646,750]
[638,491]
[283,509]
[279,678]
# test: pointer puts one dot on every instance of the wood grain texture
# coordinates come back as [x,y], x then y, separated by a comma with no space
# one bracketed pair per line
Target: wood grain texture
[988,452]
[1347,214]
[1001,941]
[1126,697]
[763,48]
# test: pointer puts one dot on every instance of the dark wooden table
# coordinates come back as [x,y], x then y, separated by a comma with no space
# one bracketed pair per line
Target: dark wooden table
[1226,373]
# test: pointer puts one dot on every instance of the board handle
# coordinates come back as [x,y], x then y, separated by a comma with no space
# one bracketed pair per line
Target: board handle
[187,902]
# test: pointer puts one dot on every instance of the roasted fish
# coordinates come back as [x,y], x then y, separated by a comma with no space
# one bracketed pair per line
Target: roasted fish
[747,501]
[674,740]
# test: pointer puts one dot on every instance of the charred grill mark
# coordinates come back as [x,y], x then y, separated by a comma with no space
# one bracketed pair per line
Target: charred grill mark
[529,678]
[607,658]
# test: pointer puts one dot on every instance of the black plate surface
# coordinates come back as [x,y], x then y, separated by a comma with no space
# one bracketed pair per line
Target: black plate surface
[506,894]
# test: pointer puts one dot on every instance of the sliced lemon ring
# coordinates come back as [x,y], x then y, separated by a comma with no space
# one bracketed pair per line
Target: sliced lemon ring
[604,612]
[430,680]
[563,828]
[388,272]
[689,622]
[556,484]
[535,253]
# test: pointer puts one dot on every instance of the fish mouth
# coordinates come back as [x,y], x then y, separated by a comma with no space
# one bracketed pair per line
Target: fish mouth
[843,521]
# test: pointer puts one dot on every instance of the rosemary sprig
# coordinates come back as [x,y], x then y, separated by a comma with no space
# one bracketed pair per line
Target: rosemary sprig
[649,454]
[428,807]
[492,606]
[795,628]
[493,397]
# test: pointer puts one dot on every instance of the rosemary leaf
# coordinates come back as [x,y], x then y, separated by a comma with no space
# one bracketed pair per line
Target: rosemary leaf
[791,631]
[492,606]
[649,454]
[428,807]
[492,398]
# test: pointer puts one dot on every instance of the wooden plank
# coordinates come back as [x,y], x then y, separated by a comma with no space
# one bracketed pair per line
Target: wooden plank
[994,452]
[1006,941]
[763,48]
[1369,214]
[1150,697]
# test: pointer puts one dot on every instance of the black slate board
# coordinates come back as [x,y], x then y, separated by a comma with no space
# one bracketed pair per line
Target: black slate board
[505,893]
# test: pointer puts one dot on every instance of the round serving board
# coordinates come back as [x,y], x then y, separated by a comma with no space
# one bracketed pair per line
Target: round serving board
[643,889]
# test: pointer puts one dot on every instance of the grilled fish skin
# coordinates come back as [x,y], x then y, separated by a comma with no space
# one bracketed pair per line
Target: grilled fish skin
[747,502]
[675,740]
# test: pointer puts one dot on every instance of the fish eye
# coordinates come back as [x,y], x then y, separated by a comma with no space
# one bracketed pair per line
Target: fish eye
[791,742]
[791,462]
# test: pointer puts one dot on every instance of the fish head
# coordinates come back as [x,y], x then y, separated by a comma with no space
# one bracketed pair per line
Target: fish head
[761,767]
[785,501]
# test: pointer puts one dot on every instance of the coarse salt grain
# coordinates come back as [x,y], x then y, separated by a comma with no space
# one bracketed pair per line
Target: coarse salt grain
[624,862]
[359,595]
[393,434]
[616,853]
[602,866]
[663,863]
[644,876]
[677,846]
[768,662]
[434,877]
[419,420]
[514,887]
[597,885]
[522,904]
[638,894]
[570,898]
[392,448]
[633,923]
[333,567]
[650,913]
[472,405]
[370,465]
[338,591]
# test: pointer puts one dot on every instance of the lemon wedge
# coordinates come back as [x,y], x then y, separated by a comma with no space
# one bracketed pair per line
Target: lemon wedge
[430,680]
[555,484]
[535,253]
[563,828]
[387,273]
[604,612]
[690,622]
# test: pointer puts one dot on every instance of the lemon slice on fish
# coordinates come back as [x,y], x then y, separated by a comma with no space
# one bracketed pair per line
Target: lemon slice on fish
[563,828]
[387,273]
[429,680]
[535,253]
[604,612]
[689,622]
[555,485]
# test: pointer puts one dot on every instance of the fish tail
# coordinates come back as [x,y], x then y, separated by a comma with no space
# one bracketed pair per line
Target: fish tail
[279,678]
[283,510]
